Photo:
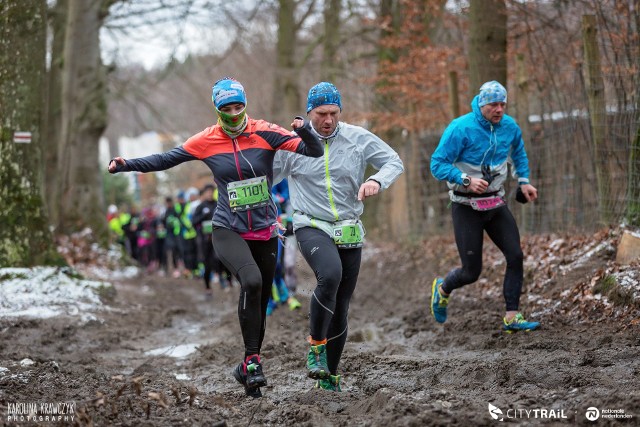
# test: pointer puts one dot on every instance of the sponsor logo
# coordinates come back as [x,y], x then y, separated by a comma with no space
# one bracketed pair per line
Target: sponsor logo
[594,413]
[523,413]
[224,94]
[495,412]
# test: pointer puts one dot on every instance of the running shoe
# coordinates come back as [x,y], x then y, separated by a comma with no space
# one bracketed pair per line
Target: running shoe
[332,383]
[438,301]
[294,304]
[271,305]
[317,362]
[249,374]
[518,323]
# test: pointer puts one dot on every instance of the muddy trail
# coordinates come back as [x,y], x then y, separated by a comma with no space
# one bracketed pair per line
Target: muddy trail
[161,354]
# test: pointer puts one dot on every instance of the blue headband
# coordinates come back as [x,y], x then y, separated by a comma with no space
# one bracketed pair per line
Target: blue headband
[228,91]
[491,92]
[323,93]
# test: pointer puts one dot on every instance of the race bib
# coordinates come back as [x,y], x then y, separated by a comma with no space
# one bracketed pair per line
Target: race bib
[248,194]
[486,203]
[207,227]
[347,234]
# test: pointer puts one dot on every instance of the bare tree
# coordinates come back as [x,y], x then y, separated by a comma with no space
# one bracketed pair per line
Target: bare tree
[330,66]
[487,42]
[57,22]
[83,119]
[286,100]
[24,236]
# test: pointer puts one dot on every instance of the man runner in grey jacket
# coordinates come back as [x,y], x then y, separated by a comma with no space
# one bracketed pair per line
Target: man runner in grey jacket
[327,196]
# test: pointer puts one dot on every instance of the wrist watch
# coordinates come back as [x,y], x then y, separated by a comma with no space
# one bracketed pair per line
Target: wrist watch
[466,180]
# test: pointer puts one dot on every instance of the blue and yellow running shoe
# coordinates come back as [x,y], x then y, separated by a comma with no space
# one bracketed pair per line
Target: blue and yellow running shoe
[294,304]
[518,323]
[332,383]
[438,301]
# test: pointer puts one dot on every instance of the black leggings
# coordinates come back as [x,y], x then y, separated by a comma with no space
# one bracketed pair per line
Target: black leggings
[211,262]
[253,262]
[337,272]
[469,226]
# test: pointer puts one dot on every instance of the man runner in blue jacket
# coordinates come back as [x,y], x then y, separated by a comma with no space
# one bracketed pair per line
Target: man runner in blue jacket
[472,157]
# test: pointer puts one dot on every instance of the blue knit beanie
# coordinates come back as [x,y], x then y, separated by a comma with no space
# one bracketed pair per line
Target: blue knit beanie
[228,91]
[491,92]
[323,93]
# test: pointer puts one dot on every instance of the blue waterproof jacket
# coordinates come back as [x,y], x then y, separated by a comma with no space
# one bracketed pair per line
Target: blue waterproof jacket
[471,141]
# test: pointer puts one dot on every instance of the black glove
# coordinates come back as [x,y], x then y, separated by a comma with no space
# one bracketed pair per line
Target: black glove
[487,175]
[520,197]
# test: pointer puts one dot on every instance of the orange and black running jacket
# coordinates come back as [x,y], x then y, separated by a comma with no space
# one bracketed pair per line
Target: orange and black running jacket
[249,155]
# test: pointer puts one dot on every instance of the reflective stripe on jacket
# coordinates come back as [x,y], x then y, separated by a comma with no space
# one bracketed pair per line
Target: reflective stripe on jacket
[327,187]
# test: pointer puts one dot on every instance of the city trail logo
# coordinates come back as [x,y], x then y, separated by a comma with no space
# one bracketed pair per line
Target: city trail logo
[41,412]
[594,413]
[495,412]
[522,413]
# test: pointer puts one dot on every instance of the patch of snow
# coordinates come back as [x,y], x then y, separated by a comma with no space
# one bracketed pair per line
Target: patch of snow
[633,233]
[44,292]
[102,273]
[177,351]
[26,362]
[556,244]
[629,279]
[182,377]
[23,377]
[586,256]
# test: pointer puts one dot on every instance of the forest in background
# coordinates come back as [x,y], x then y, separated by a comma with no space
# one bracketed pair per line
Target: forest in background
[405,69]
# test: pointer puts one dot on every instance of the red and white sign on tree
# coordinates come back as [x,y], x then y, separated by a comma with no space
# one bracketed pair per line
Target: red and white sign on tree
[22,137]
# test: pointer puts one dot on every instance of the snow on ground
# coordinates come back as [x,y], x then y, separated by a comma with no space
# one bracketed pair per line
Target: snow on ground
[44,292]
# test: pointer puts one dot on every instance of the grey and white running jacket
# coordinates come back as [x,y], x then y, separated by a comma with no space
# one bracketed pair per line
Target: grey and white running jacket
[326,188]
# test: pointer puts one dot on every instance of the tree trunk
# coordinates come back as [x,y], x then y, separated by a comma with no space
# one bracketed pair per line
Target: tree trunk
[597,113]
[51,142]
[633,181]
[286,99]
[25,239]
[84,118]
[487,43]
[633,189]
[329,68]
[522,116]
[454,94]
[387,213]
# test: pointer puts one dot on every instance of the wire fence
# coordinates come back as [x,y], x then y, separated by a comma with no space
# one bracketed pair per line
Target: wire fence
[582,140]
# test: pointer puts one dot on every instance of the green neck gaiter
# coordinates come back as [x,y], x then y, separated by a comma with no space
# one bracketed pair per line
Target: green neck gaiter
[232,124]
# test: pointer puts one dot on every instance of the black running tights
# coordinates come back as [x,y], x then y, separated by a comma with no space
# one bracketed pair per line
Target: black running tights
[337,272]
[469,226]
[253,262]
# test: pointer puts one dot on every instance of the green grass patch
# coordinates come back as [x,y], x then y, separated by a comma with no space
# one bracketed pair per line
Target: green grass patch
[11,276]
[609,287]
[605,285]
